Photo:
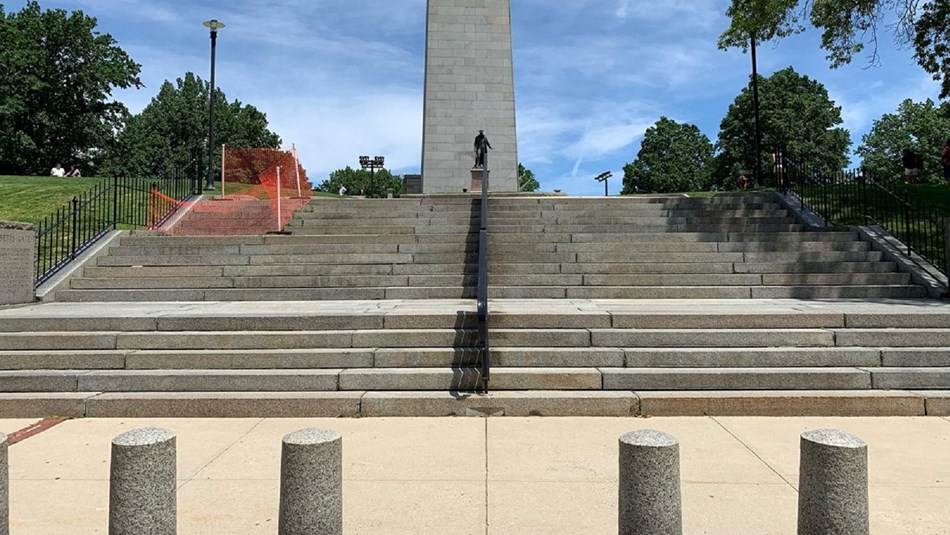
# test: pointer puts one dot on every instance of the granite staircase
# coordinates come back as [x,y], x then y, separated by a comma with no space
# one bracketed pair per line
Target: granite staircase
[235,215]
[728,247]
[646,306]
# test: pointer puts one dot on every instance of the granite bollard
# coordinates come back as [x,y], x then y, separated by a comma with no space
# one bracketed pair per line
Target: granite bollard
[142,490]
[4,487]
[833,484]
[311,483]
[649,492]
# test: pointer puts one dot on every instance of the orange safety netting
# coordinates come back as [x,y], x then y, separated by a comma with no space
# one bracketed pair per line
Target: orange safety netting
[261,190]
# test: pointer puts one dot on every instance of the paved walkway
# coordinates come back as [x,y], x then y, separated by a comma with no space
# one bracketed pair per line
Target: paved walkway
[447,476]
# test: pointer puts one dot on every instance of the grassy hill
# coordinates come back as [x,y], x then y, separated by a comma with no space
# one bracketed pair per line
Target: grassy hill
[29,199]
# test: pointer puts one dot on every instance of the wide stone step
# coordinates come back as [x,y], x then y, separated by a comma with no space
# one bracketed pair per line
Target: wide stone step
[321,282]
[186,359]
[501,357]
[171,338]
[470,379]
[296,380]
[650,229]
[539,212]
[838,292]
[816,267]
[634,220]
[930,378]
[567,280]
[269,294]
[736,379]
[463,378]
[496,403]
[759,357]
[707,338]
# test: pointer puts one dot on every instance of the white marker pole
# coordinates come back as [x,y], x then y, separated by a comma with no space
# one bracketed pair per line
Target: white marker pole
[296,167]
[222,169]
[278,198]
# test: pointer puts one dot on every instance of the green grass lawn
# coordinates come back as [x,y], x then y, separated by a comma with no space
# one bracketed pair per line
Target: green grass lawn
[29,199]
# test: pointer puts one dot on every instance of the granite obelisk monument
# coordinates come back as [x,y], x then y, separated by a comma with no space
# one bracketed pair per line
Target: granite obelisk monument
[469,86]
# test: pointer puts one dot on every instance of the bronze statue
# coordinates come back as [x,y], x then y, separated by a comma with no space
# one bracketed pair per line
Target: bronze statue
[482,146]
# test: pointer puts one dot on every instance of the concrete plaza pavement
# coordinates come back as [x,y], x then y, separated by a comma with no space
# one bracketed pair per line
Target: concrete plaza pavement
[482,475]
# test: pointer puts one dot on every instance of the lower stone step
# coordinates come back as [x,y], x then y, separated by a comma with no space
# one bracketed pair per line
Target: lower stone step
[494,403]
[736,378]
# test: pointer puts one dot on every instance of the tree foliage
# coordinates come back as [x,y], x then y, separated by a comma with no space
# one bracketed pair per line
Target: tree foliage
[673,157]
[850,27]
[796,114]
[174,127]
[360,180]
[56,86]
[526,181]
[922,127]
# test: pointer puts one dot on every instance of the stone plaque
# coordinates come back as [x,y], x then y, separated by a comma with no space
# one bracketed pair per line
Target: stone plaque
[412,184]
[17,262]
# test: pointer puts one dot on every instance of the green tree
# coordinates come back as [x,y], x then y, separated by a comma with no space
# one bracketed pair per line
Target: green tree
[850,27]
[526,180]
[921,127]
[673,157]
[174,126]
[360,180]
[56,100]
[797,114]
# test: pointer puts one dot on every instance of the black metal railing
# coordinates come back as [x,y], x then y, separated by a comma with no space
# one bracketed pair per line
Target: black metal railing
[137,202]
[855,198]
[482,293]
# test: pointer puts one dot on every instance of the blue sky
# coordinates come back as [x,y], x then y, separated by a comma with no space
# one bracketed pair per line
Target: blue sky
[341,78]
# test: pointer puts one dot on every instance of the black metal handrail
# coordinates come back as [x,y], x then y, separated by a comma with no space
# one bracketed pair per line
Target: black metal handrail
[855,198]
[71,229]
[74,228]
[482,293]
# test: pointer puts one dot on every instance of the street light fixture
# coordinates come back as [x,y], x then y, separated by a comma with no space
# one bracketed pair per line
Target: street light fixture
[603,178]
[214,26]
[372,164]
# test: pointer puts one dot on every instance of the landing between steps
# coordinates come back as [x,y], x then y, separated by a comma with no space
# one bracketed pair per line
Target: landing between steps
[508,403]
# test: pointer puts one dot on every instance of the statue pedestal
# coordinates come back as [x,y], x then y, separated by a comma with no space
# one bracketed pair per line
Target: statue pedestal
[477,175]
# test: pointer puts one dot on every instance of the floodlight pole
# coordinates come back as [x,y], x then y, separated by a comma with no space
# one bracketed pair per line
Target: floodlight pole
[372,164]
[214,26]
[603,177]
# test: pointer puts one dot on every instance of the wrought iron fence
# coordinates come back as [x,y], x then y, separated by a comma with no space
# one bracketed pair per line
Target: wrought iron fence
[855,198]
[127,201]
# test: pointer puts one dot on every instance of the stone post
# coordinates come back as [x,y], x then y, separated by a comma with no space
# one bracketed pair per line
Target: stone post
[833,484]
[650,484]
[142,490]
[4,487]
[17,262]
[311,483]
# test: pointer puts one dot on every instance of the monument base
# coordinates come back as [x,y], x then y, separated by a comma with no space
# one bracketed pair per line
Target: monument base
[477,175]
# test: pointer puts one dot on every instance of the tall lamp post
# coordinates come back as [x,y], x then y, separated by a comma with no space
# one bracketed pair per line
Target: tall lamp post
[757,170]
[603,178]
[214,25]
[372,164]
